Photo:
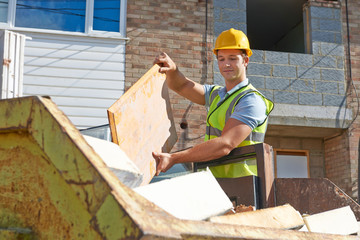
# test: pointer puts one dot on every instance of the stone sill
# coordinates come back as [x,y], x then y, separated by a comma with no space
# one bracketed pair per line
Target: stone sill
[311,116]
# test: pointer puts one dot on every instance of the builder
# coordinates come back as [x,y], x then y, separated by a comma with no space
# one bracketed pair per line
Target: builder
[237,113]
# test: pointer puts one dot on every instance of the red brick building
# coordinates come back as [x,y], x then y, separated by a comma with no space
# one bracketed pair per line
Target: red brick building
[186,31]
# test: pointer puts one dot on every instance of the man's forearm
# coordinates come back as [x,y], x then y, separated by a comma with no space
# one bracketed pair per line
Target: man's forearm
[176,80]
[205,151]
[233,134]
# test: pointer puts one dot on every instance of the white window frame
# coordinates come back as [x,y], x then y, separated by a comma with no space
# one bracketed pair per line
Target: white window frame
[89,14]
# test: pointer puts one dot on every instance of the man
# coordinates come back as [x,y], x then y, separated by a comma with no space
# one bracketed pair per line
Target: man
[237,113]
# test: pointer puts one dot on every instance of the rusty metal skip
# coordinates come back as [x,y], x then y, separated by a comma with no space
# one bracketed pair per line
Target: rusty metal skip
[53,185]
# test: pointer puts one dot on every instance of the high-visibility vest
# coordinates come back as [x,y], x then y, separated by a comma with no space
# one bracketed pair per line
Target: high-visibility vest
[216,119]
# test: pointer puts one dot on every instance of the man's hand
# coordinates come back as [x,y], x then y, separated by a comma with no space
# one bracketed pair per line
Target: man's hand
[166,64]
[163,162]
[177,82]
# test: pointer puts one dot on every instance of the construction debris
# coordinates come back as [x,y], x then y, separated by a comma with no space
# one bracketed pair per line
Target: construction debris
[241,208]
[195,196]
[117,160]
[281,217]
[338,221]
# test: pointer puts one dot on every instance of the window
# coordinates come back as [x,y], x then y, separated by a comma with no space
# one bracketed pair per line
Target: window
[85,16]
[276,25]
[3,10]
[51,14]
[106,15]
[291,163]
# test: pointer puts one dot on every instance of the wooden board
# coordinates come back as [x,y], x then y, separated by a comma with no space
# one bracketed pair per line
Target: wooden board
[141,121]
[281,217]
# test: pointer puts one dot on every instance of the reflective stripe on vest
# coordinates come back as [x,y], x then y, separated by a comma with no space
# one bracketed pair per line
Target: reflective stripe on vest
[243,168]
[253,136]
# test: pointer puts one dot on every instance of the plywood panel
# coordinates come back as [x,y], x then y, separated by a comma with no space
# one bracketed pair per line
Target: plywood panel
[141,121]
[281,217]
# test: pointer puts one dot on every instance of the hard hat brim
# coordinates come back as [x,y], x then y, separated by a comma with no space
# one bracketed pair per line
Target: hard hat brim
[248,51]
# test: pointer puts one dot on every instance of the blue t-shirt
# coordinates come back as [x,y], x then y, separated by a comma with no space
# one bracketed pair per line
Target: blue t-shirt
[251,109]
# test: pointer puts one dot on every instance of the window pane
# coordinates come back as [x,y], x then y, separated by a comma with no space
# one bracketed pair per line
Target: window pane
[66,15]
[291,166]
[3,10]
[106,15]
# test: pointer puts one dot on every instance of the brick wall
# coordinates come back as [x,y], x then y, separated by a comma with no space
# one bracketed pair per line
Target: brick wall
[301,79]
[337,163]
[341,151]
[325,22]
[350,139]
[177,28]
[325,3]
[227,14]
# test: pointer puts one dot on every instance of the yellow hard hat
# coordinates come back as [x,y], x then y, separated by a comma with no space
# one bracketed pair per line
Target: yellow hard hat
[232,39]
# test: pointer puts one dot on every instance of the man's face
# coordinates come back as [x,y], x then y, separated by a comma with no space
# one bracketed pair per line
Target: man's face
[232,64]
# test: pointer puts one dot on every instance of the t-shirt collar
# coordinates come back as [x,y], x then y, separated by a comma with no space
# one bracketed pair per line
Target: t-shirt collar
[223,93]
